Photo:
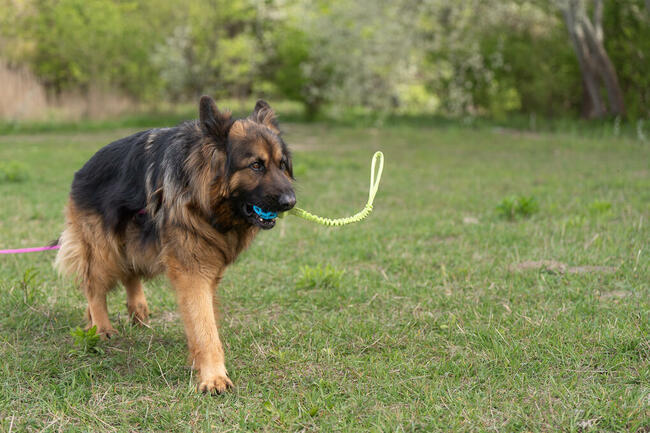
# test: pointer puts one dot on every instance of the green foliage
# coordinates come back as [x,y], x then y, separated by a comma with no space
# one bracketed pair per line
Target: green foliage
[489,58]
[13,171]
[291,49]
[92,44]
[28,286]
[494,58]
[517,206]
[507,208]
[600,207]
[319,277]
[627,40]
[522,77]
[86,341]
[211,48]
[526,206]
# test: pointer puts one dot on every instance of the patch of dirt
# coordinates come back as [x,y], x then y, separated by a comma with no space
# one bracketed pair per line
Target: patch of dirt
[443,239]
[556,267]
[591,269]
[617,294]
[168,316]
[588,424]
[546,265]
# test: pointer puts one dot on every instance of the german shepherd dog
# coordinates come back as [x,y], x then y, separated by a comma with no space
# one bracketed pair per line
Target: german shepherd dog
[180,201]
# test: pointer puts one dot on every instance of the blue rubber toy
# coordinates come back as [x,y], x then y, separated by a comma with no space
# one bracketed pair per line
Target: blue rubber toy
[265,215]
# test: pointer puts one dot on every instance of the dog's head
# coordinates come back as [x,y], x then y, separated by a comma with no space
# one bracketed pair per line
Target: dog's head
[258,168]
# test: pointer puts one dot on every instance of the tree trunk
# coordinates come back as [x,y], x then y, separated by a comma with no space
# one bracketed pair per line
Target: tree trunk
[594,36]
[595,65]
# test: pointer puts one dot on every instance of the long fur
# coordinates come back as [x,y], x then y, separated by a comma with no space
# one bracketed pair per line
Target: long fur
[174,200]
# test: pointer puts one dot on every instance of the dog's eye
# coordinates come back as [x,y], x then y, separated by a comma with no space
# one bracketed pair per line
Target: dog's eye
[257,166]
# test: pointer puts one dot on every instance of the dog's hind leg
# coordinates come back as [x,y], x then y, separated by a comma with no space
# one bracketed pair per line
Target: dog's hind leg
[97,311]
[88,253]
[136,302]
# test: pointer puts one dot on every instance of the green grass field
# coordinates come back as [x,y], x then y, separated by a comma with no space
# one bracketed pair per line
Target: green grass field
[436,314]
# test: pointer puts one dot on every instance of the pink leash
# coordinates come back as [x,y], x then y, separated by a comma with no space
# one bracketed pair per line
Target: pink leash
[49,247]
[29,250]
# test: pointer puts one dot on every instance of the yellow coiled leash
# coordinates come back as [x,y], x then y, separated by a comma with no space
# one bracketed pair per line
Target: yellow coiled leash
[378,157]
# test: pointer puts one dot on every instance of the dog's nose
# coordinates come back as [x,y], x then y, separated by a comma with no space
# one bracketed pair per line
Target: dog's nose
[287,201]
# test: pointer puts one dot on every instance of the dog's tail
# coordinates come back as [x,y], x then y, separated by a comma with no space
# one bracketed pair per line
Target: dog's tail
[83,243]
[71,259]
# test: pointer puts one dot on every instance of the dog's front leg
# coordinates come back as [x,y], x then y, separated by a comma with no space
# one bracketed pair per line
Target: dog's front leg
[195,299]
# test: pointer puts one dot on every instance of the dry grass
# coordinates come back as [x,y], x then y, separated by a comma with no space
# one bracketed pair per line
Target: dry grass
[23,97]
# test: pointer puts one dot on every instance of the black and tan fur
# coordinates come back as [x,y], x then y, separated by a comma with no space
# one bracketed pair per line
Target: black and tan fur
[175,201]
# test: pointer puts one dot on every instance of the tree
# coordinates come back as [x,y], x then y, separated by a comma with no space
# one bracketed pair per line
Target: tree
[595,65]
[344,53]
[91,45]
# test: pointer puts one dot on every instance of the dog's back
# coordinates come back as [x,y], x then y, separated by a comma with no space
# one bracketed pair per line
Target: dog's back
[111,183]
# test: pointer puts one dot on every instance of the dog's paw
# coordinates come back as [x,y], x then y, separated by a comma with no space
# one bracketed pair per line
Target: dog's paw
[104,332]
[139,313]
[215,385]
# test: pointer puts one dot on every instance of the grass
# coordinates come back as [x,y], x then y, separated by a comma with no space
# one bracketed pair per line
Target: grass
[418,319]
[166,114]
[143,117]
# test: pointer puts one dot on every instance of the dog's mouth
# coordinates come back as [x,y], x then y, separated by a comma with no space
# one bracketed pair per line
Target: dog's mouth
[259,217]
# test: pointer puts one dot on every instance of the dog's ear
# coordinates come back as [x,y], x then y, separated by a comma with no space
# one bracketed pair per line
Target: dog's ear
[213,122]
[264,114]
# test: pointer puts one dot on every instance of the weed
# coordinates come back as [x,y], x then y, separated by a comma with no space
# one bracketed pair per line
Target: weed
[13,171]
[507,208]
[526,206]
[28,285]
[600,207]
[321,277]
[86,341]
[517,206]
